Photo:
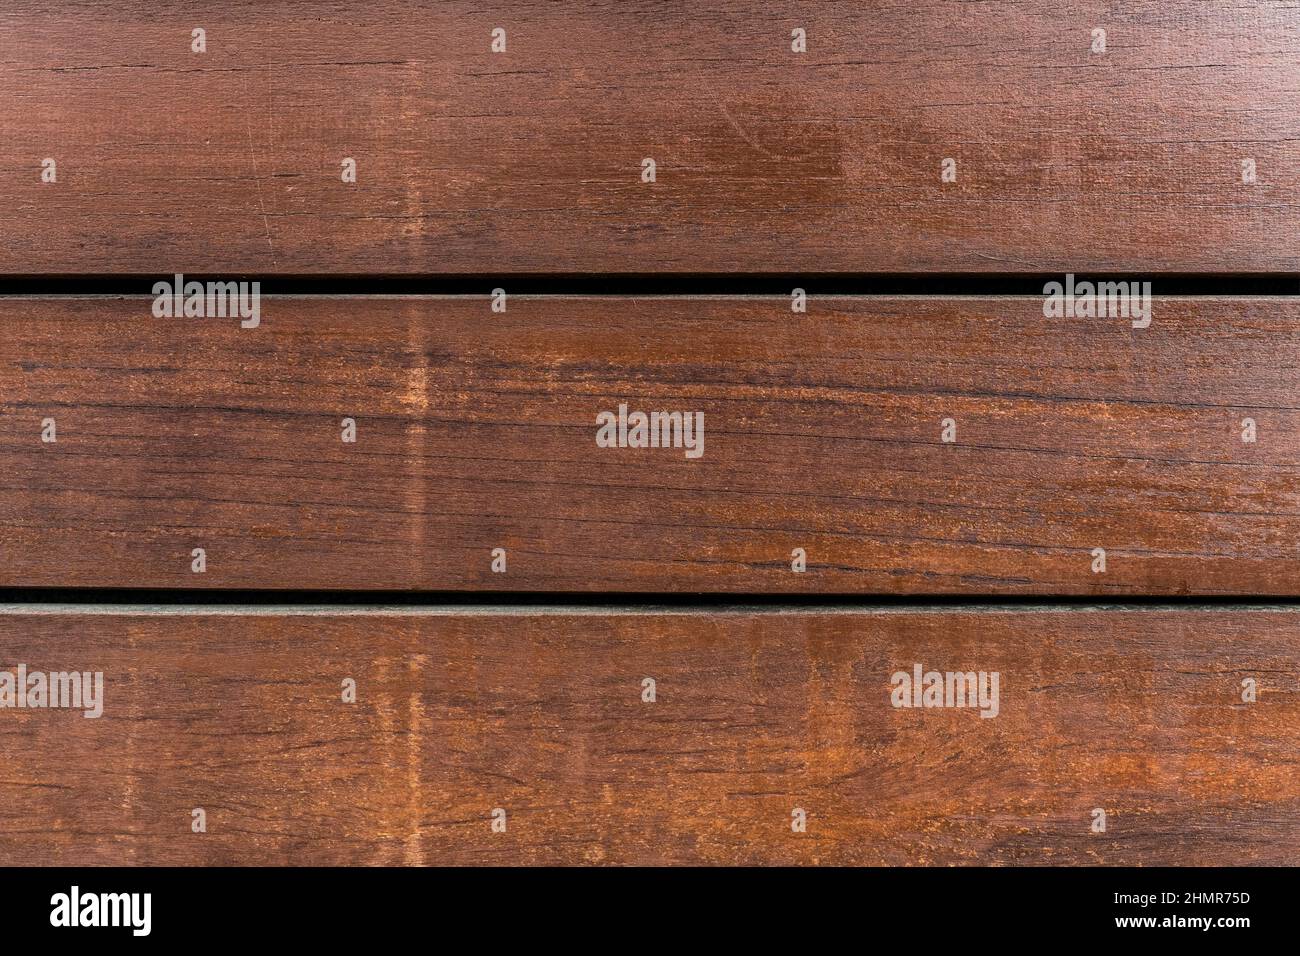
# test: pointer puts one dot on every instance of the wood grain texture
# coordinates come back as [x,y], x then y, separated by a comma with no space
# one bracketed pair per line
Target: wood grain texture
[768,160]
[1137,712]
[822,431]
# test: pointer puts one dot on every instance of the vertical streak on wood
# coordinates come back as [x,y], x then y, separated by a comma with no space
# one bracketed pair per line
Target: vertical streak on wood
[414,855]
[831,720]
[413,96]
[257,173]
[387,730]
[417,404]
[130,765]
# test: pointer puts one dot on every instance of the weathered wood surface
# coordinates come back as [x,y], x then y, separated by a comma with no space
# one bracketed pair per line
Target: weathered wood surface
[823,431]
[541,713]
[530,160]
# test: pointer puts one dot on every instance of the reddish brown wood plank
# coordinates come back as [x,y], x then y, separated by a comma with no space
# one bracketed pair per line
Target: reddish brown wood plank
[1138,713]
[767,160]
[823,431]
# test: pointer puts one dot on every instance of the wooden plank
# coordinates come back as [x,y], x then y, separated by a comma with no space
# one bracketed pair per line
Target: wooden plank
[530,160]
[823,431]
[540,713]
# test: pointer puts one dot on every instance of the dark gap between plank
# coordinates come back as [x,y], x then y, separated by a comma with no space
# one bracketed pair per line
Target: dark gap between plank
[613,599]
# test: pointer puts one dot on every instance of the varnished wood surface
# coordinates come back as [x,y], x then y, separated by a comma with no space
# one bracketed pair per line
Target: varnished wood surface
[477,430]
[540,713]
[530,160]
